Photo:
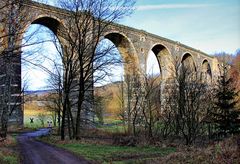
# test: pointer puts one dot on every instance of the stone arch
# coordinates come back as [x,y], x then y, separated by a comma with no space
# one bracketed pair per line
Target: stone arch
[51,22]
[48,21]
[206,71]
[188,62]
[164,59]
[126,50]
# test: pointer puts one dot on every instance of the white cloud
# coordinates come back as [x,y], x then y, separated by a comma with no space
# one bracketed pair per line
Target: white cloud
[170,6]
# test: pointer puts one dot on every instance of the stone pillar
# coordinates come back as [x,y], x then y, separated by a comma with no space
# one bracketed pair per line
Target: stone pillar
[12,65]
[215,70]
[16,92]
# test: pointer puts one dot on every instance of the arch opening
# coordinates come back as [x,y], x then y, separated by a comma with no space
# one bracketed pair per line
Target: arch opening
[123,64]
[206,73]
[163,57]
[188,63]
[39,60]
[126,50]
[48,22]
[152,65]
[110,63]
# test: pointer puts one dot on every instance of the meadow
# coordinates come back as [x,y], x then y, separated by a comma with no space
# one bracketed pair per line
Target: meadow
[106,152]
[40,117]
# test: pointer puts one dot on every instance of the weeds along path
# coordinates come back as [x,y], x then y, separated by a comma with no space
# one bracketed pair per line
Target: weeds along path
[36,152]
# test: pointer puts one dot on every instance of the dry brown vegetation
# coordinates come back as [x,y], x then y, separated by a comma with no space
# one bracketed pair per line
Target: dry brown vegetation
[8,151]
[35,104]
[224,152]
[235,73]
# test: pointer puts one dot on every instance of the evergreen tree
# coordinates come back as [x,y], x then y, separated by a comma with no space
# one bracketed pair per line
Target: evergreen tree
[225,114]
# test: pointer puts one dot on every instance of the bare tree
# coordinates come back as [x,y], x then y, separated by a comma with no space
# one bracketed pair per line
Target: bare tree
[53,104]
[61,81]
[235,74]
[121,103]
[151,105]
[133,94]
[82,57]
[99,108]
[186,101]
[141,94]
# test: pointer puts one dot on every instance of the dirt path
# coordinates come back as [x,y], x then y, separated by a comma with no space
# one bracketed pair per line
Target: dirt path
[35,152]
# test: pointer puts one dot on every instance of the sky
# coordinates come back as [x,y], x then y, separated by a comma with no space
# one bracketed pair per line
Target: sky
[208,25]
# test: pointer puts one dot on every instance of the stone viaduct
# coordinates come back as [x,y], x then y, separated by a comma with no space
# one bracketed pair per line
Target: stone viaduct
[133,44]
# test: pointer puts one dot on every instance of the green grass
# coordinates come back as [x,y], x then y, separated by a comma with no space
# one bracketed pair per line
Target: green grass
[8,155]
[35,125]
[8,159]
[122,154]
[36,122]
[112,121]
[113,128]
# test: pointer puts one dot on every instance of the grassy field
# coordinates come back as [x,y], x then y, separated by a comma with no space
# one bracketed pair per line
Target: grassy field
[36,123]
[36,115]
[116,154]
[223,152]
[114,128]
[108,153]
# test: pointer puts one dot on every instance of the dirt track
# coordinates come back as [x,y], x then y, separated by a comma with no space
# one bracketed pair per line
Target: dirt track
[35,152]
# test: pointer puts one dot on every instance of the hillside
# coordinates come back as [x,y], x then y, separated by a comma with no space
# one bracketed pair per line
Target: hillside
[35,101]
[35,107]
[38,92]
[111,99]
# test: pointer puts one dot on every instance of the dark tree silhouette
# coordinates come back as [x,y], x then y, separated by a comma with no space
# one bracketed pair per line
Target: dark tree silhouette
[82,57]
[225,115]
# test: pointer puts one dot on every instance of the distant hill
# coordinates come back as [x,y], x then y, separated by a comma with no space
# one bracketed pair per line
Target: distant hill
[111,98]
[46,91]
[38,92]
[110,93]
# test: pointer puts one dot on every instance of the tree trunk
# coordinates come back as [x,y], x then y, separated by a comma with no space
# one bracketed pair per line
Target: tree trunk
[78,119]
[69,125]
[63,123]
[59,122]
